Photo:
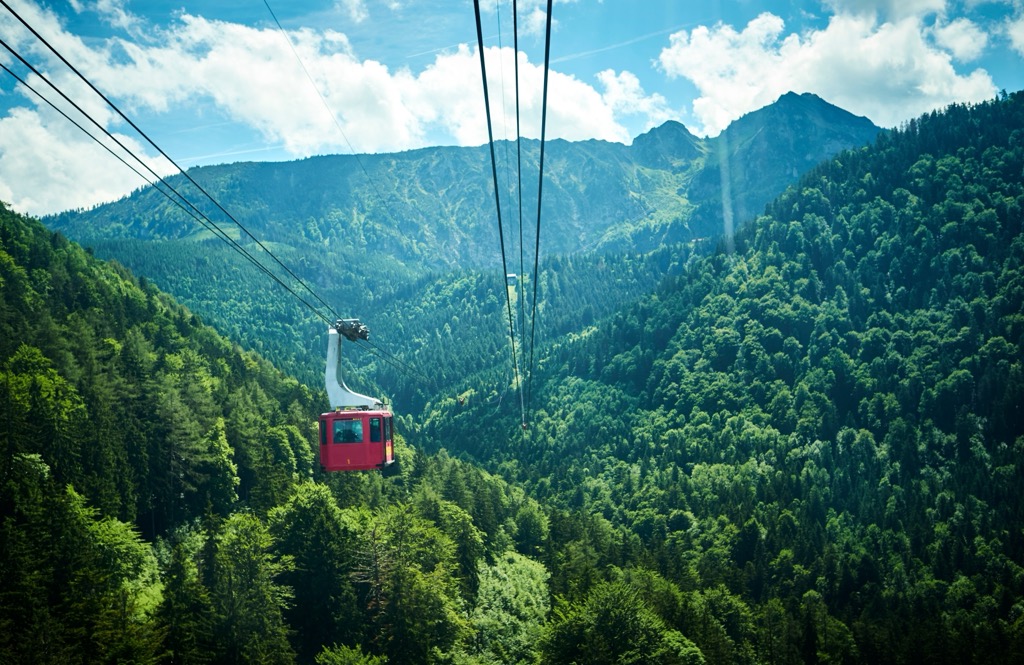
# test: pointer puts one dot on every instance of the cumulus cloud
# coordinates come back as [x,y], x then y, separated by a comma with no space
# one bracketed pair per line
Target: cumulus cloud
[962,38]
[250,75]
[734,71]
[1015,31]
[536,22]
[451,88]
[58,168]
[356,9]
[884,70]
[624,95]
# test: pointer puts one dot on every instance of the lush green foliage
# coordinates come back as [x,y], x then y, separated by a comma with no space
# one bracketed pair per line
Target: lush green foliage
[158,501]
[129,398]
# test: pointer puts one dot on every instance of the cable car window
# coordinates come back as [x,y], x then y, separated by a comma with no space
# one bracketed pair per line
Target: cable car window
[375,430]
[323,433]
[348,431]
[387,429]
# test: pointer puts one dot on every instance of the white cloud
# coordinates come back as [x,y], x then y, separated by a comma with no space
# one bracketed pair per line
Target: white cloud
[536,22]
[356,9]
[113,11]
[450,92]
[251,76]
[624,95]
[734,71]
[576,111]
[961,37]
[47,165]
[1015,31]
[887,71]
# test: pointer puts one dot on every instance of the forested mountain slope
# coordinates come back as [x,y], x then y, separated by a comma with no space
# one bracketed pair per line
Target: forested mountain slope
[819,435]
[160,500]
[128,396]
[806,449]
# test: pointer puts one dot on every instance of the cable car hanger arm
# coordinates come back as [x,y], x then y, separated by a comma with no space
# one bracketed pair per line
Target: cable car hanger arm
[339,395]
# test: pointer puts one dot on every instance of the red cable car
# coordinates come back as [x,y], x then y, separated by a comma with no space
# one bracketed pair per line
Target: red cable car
[356,440]
[357,435]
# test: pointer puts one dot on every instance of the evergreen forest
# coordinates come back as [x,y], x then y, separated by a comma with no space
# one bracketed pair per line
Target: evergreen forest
[802,443]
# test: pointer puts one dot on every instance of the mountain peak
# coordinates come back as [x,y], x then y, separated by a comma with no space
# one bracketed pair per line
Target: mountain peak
[810,107]
[797,97]
[666,145]
[769,148]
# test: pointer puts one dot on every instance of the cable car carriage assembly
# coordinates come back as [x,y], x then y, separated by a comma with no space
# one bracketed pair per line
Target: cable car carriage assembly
[357,434]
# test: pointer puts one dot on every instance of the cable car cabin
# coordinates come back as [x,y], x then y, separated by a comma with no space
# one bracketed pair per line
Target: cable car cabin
[356,440]
[356,436]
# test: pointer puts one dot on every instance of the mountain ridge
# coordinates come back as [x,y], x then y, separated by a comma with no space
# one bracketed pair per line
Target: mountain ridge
[433,207]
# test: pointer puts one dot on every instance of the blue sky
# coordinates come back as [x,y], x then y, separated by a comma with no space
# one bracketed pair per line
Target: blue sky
[218,81]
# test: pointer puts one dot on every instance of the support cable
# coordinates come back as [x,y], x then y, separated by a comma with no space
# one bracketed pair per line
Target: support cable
[519,192]
[168,158]
[195,213]
[508,187]
[540,189]
[497,197]
[504,118]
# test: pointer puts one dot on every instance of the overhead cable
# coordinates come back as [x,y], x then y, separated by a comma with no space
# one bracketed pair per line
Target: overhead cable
[184,173]
[195,213]
[519,191]
[497,196]
[540,188]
